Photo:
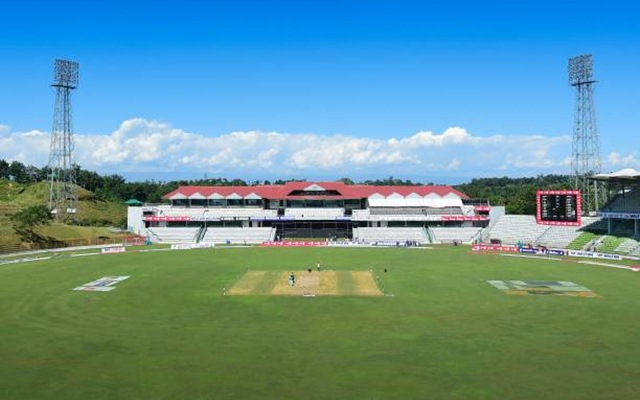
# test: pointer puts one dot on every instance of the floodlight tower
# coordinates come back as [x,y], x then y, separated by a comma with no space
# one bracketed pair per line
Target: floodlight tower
[585,151]
[62,197]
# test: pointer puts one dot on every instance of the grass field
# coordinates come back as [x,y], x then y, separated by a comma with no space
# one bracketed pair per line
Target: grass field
[440,332]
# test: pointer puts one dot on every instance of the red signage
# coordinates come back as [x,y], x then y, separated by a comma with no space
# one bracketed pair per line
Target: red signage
[494,247]
[293,244]
[464,218]
[167,219]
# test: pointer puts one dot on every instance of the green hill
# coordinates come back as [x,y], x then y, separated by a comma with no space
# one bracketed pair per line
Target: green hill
[95,216]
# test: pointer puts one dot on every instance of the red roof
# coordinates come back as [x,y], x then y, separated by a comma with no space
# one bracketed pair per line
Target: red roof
[278,192]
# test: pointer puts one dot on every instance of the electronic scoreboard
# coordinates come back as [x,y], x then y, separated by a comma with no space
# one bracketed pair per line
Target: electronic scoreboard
[558,207]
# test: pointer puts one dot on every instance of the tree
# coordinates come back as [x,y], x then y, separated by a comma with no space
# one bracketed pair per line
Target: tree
[517,194]
[4,169]
[347,181]
[28,219]
[18,172]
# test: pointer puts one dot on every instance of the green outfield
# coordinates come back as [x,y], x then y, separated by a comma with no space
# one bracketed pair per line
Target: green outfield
[381,324]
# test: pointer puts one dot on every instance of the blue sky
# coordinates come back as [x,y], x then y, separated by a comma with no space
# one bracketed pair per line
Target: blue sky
[434,91]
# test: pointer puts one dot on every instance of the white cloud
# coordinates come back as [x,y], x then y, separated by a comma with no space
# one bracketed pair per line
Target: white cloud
[616,160]
[144,145]
[451,136]
[454,164]
[30,147]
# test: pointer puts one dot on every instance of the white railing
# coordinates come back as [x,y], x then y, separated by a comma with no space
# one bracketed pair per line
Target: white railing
[314,213]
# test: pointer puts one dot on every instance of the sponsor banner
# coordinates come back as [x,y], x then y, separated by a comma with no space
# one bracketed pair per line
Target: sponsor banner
[203,245]
[344,243]
[558,223]
[204,218]
[494,247]
[294,244]
[188,246]
[542,250]
[109,250]
[463,218]
[103,284]
[530,250]
[591,254]
[84,254]
[552,252]
[166,219]
[28,259]
[618,215]
[388,243]
[514,249]
[181,246]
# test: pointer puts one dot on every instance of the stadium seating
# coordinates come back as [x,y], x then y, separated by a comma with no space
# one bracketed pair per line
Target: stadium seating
[628,246]
[368,235]
[636,251]
[448,235]
[511,229]
[238,235]
[172,235]
[558,236]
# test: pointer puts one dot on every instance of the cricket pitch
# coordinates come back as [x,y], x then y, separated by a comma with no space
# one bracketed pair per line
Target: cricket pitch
[314,283]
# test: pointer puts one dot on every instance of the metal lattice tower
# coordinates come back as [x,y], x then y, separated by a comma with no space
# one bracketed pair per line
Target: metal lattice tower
[62,197]
[585,154]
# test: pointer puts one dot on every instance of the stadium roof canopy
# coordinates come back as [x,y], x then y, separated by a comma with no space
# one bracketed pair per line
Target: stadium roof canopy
[313,190]
[416,202]
[627,175]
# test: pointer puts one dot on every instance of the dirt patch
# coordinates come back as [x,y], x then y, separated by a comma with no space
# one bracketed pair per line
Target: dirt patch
[323,283]
[307,283]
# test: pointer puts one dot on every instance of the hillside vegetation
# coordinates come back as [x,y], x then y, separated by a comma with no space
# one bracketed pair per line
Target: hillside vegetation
[95,216]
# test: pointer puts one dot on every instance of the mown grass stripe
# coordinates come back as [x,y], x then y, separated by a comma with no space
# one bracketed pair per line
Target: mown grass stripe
[247,283]
[268,282]
[346,285]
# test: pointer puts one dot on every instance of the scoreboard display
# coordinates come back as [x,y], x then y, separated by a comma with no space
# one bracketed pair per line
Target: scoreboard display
[558,207]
